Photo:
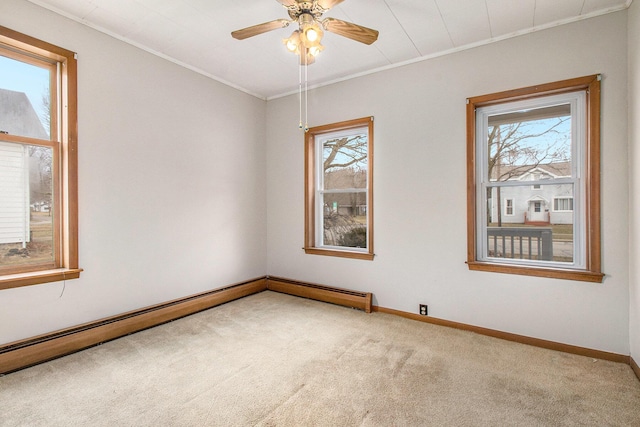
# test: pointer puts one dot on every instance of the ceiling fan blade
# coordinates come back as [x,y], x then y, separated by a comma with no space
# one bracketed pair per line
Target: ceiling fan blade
[351,31]
[328,4]
[287,3]
[259,29]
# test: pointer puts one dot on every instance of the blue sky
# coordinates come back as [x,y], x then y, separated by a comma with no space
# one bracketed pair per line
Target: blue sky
[22,77]
[556,140]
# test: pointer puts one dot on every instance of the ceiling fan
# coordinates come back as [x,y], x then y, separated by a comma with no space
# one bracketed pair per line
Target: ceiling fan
[305,41]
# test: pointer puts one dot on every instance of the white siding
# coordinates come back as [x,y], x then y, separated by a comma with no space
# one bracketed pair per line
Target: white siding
[14,193]
[521,197]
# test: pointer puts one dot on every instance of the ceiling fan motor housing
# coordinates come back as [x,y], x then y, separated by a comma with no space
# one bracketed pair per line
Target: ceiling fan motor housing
[306,7]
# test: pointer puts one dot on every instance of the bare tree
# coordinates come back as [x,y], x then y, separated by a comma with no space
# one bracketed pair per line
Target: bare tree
[344,166]
[519,147]
[345,152]
[41,162]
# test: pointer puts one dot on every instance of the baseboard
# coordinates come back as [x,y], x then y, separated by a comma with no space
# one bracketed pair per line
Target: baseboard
[551,345]
[345,297]
[25,353]
[635,367]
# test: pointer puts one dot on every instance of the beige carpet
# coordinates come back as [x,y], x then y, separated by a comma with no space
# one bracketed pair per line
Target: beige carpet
[276,360]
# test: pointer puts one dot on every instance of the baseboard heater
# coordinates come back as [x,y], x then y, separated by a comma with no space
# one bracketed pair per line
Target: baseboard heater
[29,352]
[345,297]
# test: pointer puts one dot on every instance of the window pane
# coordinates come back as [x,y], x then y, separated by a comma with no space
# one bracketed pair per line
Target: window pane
[530,145]
[509,207]
[563,204]
[24,99]
[344,161]
[534,231]
[26,205]
[345,219]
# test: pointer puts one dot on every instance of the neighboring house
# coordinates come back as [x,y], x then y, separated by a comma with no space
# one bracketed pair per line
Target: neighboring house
[350,203]
[17,117]
[533,204]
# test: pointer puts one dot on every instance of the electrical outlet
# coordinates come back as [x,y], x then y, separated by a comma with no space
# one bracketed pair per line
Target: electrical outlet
[423,310]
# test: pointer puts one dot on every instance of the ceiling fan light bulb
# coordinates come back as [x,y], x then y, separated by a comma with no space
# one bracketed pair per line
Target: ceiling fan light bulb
[291,45]
[311,37]
[310,30]
[312,34]
[315,50]
[293,42]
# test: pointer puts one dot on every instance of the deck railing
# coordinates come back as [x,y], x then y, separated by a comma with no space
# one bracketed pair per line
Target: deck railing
[519,242]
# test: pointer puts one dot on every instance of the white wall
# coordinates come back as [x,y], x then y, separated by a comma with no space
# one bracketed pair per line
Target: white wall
[171,177]
[634,145]
[420,187]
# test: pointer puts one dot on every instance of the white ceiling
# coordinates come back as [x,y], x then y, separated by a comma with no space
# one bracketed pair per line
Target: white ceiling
[196,33]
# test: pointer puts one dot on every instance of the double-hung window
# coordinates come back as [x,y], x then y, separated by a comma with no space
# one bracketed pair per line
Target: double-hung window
[563,204]
[508,207]
[38,162]
[540,146]
[338,190]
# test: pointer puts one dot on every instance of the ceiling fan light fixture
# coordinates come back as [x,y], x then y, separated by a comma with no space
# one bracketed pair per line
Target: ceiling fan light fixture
[312,34]
[310,30]
[307,59]
[306,40]
[315,50]
[293,42]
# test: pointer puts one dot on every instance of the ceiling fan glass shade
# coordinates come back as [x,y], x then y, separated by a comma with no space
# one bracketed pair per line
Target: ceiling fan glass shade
[313,35]
[306,58]
[310,31]
[293,42]
[315,50]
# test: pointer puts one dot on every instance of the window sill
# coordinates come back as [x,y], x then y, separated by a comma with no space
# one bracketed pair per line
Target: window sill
[38,277]
[554,273]
[344,254]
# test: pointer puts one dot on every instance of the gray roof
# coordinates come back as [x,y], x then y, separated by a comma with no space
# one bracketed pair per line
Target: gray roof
[18,117]
[510,172]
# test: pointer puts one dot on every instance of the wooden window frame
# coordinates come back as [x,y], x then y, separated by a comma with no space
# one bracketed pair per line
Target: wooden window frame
[592,228]
[310,246]
[65,174]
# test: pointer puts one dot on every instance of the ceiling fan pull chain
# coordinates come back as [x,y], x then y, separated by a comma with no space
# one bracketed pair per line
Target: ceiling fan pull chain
[300,93]
[306,93]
